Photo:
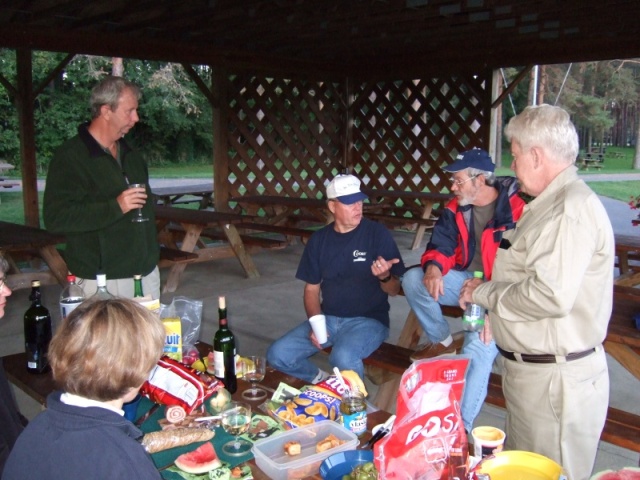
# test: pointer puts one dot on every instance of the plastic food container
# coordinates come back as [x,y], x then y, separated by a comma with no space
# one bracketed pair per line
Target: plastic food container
[271,459]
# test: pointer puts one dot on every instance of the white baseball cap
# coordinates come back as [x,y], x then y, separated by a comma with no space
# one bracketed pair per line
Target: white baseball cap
[345,189]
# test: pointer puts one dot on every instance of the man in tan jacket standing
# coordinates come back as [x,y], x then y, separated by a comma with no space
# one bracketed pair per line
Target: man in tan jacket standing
[550,298]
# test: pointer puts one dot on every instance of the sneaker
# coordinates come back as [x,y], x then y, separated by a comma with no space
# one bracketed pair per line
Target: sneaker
[321,376]
[432,350]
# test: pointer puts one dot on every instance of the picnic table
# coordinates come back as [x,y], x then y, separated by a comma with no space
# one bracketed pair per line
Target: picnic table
[419,206]
[187,237]
[200,193]
[279,208]
[627,248]
[19,240]
[40,386]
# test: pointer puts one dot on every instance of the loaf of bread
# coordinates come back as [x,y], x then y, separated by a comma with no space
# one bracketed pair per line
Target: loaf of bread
[164,439]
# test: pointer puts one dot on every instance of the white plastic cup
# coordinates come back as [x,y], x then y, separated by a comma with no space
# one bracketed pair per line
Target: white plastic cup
[487,441]
[319,327]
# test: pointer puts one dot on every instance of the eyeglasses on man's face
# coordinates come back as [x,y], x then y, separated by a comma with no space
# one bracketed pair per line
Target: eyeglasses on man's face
[459,183]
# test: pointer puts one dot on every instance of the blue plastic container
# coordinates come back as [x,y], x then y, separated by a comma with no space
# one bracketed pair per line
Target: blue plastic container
[339,464]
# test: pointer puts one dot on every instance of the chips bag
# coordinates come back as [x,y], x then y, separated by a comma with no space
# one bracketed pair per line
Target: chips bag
[172,383]
[427,441]
[318,402]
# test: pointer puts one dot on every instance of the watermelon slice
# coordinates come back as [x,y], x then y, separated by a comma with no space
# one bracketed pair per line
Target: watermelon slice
[629,473]
[201,460]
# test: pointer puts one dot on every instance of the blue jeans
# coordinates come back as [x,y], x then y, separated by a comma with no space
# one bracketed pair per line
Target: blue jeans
[437,329]
[352,339]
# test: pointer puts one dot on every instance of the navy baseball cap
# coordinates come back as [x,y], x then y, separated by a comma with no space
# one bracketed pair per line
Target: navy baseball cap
[476,158]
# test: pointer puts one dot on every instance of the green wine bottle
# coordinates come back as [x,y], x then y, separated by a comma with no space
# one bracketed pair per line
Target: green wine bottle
[224,350]
[137,286]
[37,332]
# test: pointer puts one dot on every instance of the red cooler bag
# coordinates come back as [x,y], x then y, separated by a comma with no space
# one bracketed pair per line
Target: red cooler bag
[427,441]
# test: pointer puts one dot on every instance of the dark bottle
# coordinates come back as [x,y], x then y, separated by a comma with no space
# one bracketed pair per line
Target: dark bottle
[137,286]
[224,351]
[37,332]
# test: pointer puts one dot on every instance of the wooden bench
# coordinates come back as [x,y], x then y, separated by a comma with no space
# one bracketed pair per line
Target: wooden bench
[288,231]
[169,256]
[627,250]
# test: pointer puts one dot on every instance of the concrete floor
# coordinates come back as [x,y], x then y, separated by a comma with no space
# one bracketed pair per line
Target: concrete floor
[262,309]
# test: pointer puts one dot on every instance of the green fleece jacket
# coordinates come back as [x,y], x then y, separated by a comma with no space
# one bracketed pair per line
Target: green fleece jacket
[80,202]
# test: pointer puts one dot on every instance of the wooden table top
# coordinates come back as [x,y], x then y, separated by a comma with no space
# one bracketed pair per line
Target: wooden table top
[198,217]
[281,200]
[16,237]
[195,189]
[403,194]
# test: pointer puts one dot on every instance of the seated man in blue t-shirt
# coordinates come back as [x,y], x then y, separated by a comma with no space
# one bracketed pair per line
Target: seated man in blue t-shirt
[350,267]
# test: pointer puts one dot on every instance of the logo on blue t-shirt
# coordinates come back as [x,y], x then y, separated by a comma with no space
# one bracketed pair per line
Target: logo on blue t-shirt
[359,256]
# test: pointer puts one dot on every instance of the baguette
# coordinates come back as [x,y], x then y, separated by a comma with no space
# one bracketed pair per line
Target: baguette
[157,441]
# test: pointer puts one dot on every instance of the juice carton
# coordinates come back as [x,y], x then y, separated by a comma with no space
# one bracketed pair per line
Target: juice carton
[173,341]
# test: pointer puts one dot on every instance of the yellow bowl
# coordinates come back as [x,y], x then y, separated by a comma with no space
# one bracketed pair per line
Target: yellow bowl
[519,465]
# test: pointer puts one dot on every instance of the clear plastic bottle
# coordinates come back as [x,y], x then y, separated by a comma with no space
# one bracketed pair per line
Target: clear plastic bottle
[72,295]
[473,317]
[102,293]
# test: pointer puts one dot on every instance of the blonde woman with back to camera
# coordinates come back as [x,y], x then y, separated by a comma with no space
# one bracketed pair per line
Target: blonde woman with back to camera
[100,356]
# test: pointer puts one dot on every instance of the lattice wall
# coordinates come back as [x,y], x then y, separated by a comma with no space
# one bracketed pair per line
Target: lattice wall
[289,136]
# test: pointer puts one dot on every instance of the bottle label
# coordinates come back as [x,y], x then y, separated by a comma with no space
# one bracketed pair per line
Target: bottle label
[355,422]
[68,305]
[218,364]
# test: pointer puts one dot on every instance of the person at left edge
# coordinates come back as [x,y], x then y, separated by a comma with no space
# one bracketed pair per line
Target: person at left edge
[349,268]
[86,197]
[82,434]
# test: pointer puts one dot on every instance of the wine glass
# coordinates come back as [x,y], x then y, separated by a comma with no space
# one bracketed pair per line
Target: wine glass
[138,217]
[236,419]
[253,370]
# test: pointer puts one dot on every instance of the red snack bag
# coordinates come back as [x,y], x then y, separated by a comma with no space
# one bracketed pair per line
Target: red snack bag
[428,440]
[172,383]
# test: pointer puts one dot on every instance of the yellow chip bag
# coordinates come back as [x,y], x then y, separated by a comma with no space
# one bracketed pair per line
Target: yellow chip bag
[173,340]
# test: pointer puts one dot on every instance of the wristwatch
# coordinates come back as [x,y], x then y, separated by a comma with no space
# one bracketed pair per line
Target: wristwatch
[385,280]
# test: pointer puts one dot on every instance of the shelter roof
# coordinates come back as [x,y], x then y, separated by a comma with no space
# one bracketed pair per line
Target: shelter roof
[366,38]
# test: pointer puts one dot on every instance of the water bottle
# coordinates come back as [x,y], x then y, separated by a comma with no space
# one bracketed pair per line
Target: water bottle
[473,317]
[72,295]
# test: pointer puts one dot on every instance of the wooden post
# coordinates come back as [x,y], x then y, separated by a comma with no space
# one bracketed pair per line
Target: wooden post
[220,157]
[24,103]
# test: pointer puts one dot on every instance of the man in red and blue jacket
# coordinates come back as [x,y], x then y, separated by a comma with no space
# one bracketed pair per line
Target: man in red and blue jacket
[465,240]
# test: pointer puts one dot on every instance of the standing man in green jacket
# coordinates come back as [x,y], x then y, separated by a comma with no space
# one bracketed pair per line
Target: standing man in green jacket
[88,199]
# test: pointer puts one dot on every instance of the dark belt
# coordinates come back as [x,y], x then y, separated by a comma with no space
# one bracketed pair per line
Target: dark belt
[544,358]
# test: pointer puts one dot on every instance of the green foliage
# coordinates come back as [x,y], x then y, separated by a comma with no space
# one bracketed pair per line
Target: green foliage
[175,118]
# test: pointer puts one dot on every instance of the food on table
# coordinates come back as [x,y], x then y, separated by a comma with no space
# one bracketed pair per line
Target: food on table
[292,448]
[175,414]
[172,383]
[200,460]
[364,471]
[188,421]
[627,473]
[328,443]
[219,400]
[318,402]
[164,439]
[173,340]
